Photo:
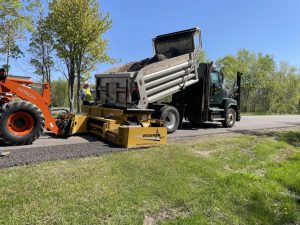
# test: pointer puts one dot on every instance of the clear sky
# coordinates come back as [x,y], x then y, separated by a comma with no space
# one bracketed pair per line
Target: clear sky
[266,26]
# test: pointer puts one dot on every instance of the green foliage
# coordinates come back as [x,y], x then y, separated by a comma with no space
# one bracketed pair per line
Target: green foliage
[41,48]
[59,93]
[266,87]
[15,51]
[201,56]
[285,89]
[77,27]
[13,22]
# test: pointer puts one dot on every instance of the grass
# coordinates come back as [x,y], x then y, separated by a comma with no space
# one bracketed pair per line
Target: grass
[227,179]
[267,114]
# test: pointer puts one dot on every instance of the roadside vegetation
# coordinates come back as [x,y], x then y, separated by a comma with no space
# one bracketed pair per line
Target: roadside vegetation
[226,179]
[268,87]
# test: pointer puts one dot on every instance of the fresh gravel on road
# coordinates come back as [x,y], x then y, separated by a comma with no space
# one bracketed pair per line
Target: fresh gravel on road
[19,157]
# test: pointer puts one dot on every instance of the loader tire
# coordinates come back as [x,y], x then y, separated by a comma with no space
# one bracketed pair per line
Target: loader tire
[21,123]
[170,117]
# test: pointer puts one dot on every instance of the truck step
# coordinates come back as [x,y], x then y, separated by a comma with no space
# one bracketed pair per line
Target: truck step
[216,110]
[219,119]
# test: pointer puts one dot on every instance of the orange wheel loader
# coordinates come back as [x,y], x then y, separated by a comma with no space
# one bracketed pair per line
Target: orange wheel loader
[24,111]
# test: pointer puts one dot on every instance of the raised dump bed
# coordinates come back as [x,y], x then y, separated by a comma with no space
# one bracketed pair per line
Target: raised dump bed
[137,84]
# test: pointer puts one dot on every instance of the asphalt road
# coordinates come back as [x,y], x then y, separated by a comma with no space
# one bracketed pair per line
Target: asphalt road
[49,147]
[247,123]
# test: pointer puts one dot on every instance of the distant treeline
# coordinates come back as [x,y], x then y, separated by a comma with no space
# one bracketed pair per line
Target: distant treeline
[59,93]
[267,87]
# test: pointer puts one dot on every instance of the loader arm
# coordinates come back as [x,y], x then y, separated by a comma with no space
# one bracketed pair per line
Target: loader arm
[21,89]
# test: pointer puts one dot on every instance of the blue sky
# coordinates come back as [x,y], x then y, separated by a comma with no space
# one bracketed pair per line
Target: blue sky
[266,26]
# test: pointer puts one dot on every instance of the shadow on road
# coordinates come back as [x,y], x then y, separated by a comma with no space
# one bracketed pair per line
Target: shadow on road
[292,123]
[87,137]
[289,137]
[204,126]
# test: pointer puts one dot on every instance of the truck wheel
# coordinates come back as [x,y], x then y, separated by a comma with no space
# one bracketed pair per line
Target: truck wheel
[170,117]
[230,118]
[21,123]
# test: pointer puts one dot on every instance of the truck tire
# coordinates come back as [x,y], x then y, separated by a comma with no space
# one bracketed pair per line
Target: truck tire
[170,117]
[230,118]
[21,123]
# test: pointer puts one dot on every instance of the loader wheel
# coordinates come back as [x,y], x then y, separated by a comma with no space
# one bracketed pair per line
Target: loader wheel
[21,123]
[230,118]
[170,117]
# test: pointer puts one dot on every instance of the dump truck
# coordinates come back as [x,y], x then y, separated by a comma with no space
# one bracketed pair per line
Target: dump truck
[172,83]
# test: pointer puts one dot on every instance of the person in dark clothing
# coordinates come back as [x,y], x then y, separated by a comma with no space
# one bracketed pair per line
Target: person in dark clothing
[2,77]
[3,74]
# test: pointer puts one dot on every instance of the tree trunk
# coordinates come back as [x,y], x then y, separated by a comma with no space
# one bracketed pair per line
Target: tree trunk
[71,84]
[48,67]
[48,74]
[44,70]
[78,67]
[8,55]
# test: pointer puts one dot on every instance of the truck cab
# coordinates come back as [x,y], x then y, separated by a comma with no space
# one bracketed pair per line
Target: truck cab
[208,100]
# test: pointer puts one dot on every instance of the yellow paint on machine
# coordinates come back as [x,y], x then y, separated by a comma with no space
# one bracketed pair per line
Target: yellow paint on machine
[79,125]
[112,129]
[132,137]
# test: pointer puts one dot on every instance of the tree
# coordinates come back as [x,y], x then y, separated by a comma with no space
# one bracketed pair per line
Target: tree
[242,62]
[41,47]
[201,56]
[266,87]
[77,27]
[59,93]
[285,89]
[13,22]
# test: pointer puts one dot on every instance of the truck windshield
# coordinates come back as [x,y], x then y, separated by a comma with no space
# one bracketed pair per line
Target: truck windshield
[215,77]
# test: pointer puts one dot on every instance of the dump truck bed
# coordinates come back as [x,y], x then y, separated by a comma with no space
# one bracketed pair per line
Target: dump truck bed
[152,83]
[170,70]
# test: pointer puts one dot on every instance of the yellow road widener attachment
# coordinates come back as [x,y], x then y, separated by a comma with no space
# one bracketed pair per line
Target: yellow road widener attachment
[128,128]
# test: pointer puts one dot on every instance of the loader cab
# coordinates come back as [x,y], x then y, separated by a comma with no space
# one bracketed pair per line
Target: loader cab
[217,90]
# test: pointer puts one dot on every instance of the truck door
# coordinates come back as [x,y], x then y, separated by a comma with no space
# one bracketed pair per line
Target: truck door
[217,92]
